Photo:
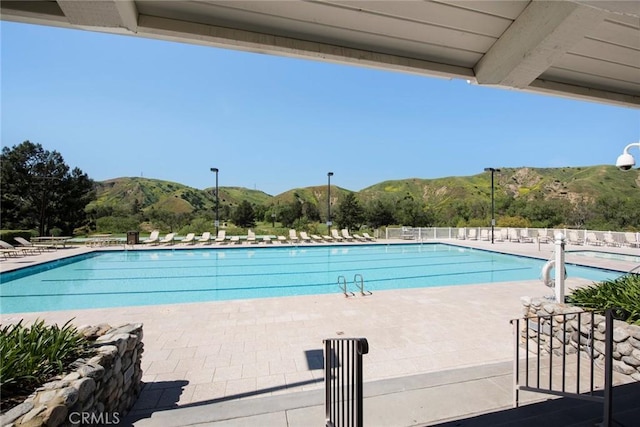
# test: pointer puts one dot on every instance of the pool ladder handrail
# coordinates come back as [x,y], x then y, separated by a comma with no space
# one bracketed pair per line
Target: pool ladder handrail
[343,287]
[361,285]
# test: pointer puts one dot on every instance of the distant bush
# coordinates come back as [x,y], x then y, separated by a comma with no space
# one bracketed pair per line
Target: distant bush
[621,294]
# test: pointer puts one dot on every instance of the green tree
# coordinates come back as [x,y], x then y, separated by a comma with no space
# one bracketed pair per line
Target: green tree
[243,215]
[38,190]
[349,213]
[379,213]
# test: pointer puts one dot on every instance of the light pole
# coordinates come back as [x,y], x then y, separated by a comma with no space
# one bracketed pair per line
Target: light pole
[493,205]
[329,175]
[625,160]
[217,223]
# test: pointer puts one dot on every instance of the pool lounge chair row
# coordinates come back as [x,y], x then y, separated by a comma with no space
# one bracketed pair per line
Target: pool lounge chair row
[24,247]
[251,238]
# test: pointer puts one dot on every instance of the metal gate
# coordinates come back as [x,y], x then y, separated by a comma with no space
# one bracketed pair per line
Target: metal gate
[566,338]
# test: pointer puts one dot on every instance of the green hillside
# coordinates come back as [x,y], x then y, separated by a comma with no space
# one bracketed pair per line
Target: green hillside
[572,184]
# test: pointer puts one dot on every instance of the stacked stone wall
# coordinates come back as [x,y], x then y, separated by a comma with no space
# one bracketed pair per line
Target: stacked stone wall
[99,391]
[561,326]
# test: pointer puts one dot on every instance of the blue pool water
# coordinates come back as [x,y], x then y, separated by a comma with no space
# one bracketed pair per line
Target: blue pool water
[112,279]
[607,255]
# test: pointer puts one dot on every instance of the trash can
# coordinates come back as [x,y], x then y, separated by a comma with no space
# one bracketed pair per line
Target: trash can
[133,237]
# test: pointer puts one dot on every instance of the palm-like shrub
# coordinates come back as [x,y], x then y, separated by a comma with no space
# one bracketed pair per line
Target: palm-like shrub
[33,355]
[621,294]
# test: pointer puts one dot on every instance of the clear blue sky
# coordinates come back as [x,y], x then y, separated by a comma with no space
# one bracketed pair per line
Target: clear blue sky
[118,106]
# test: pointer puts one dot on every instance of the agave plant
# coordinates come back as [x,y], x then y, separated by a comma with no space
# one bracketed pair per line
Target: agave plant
[622,295]
[32,355]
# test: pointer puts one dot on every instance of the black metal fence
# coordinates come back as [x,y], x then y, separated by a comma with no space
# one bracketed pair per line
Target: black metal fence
[561,356]
[343,381]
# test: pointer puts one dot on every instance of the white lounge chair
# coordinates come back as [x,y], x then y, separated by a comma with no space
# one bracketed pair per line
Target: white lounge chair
[609,240]
[154,238]
[281,239]
[346,235]
[205,238]
[316,238]
[461,234]
[266,239]
[251,237]
[293,237]
[366,236]
[190,238]
[305,237]
[221,237]
[573,238]
[168,239]
[485,234]
[359,237]
[543,236]
[472,234]
[592,239]
[630,240]
[525,237]
[336,236]
[8,248]
[235,240]
[27,244]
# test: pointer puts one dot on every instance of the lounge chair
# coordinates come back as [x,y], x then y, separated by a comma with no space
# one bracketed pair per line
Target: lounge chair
[543,236]
[293,237]
[205,238]
[473,234]
[189,238]
[316,238]
[359,237]
[305,237]
[336,236]
[154,238]
[366,236]
[27,244]
[221,237]
[462,234]
[251,237]
[9,249]
[592,239]
[327,238]
[266,239]
[498,235]
[168,239]
[235,240]
[513,235]
[525,237]
[630,240]
[346,235]
[573,238]
[281,239]
[609,240]
[484,234]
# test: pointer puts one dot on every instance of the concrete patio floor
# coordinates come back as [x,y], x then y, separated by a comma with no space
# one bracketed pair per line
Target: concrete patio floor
[246,354]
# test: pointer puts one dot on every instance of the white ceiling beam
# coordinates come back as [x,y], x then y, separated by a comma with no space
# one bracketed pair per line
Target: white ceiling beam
[114,15]
[544,32]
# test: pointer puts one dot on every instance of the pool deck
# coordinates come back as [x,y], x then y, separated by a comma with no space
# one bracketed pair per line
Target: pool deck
[259,362]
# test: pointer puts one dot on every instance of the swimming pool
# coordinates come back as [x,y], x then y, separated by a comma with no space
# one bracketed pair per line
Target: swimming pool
[607,255]
[150,277]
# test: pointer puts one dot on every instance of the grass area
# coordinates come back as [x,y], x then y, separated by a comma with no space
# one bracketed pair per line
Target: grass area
[621,294]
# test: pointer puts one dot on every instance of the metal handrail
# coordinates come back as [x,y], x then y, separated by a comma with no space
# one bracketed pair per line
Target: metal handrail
[360,285]
[343,287]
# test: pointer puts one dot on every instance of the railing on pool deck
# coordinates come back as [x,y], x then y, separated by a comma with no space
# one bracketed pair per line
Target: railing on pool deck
[563,342]
[543,235]
[343,381]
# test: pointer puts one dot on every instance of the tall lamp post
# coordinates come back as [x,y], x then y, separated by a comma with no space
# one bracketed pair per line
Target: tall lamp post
[493,205]
[217,223]
[329,175]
